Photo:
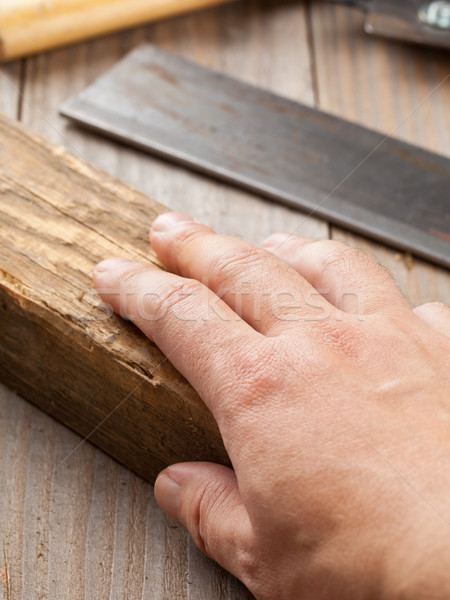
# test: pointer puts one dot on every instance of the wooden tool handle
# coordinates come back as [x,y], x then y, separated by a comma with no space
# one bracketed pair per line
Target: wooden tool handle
[32,26]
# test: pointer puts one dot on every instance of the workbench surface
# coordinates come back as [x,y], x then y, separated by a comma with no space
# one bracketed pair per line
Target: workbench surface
[74,524]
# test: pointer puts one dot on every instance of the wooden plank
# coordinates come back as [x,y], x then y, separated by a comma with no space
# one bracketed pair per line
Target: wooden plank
[9,104]
[15,438]
[397,89]
[59,348]
[82,530]
[10,83]
[265,44]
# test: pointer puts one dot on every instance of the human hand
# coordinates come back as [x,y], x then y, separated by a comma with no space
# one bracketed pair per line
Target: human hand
[333,401]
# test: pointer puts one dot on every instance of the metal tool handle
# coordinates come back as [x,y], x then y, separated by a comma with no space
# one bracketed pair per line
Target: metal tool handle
[421,21]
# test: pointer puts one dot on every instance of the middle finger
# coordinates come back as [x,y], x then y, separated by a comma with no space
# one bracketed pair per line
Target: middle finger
[265,291]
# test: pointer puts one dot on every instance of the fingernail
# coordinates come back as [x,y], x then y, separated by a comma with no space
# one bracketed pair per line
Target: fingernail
[169,220]
[275,240]
[167,494]
[109,263]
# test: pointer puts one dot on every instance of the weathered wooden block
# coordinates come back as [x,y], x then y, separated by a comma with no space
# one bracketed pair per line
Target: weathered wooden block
[60,346]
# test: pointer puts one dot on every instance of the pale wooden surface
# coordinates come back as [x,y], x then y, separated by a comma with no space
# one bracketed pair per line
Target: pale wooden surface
[90,529]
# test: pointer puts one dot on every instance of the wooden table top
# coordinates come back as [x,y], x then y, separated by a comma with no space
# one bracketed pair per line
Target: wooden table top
[74,524]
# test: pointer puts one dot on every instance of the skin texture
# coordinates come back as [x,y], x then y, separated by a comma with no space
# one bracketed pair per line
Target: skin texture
[333,400]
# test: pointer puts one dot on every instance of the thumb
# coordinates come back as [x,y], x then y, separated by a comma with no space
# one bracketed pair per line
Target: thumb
[205,499]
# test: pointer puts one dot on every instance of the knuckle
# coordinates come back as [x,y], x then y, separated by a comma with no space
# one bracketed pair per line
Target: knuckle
[185,237]
[145,302]
[261,372]
[131,279]
[132,293]
[188,243]
[205,506]
[175,294]
[343,337]
[179,291]
[343,258]
[234,264]
[250,567]
[352,268]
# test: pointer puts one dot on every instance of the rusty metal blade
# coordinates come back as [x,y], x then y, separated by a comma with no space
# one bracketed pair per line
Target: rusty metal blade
[374,185]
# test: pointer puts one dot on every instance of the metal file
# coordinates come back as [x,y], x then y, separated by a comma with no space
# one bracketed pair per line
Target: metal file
[372,184]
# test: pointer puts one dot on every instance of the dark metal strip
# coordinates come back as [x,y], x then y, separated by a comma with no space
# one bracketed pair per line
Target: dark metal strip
[375,185]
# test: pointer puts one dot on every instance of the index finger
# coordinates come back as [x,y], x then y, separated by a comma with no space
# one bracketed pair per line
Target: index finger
[200,334]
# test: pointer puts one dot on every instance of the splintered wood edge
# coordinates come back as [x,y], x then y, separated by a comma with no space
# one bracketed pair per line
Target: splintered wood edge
[100,377]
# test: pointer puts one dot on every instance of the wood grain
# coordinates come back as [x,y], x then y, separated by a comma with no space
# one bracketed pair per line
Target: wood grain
[60,347]
[249,40]
[10,82]
[9,506]
[33,26]
[263,43]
